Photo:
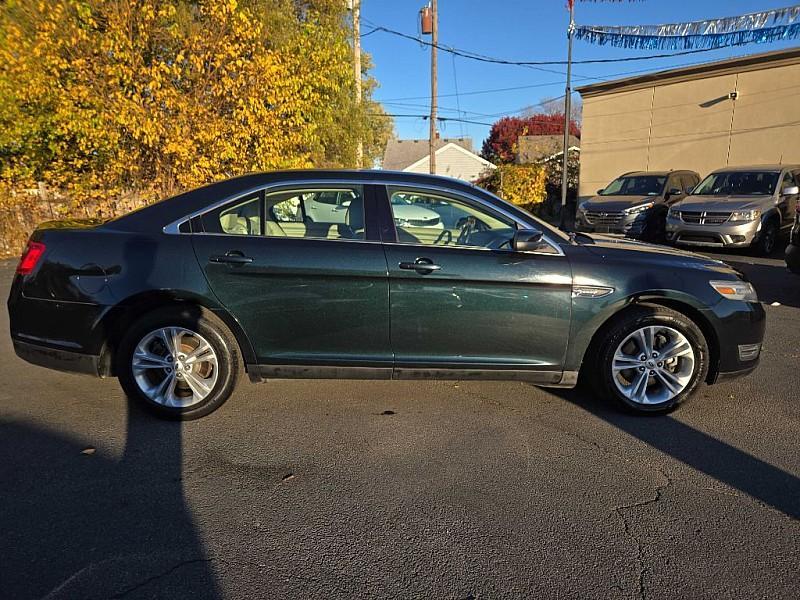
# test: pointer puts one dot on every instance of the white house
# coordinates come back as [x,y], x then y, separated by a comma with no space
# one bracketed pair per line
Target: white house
[454,158]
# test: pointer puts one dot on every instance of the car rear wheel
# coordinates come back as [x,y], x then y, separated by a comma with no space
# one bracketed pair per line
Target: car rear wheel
[651,359]
[181,363]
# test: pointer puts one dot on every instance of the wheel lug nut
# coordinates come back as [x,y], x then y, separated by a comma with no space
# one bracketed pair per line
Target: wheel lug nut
[661,364]
[642,357]
[655,354]
[641,369]
[652,372]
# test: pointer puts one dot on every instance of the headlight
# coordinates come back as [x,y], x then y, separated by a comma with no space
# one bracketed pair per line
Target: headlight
[674,213]
[583,206]
[735,290]
[637,209]
[745,215]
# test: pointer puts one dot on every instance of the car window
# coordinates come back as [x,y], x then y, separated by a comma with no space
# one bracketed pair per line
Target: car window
[332,214]
[741,183]
[430,219]
[788,181]
[688,182]
[639,185]
[244,218]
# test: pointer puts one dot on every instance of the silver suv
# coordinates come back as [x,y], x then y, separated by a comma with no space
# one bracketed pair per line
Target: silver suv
[737,207]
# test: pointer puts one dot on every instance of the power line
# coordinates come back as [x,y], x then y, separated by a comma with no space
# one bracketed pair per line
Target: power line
[535,63]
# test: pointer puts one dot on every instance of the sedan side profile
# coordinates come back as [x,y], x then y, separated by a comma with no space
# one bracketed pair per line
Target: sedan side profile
[176,298]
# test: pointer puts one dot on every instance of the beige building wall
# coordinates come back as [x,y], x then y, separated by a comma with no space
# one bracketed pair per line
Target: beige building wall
[692,124]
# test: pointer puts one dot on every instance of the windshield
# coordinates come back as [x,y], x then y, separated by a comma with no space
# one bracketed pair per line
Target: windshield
[642,185]
[738,183]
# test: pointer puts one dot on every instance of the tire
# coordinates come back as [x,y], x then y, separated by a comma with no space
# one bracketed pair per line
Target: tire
[144,360]
[618,345]
[768,239]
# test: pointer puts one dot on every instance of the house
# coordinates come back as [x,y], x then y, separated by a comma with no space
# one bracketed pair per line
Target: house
[739,111]
[454,158]
[532,149]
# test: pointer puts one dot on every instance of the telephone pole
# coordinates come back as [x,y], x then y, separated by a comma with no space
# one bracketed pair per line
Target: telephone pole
[435,41]
[355,6]
[567,110]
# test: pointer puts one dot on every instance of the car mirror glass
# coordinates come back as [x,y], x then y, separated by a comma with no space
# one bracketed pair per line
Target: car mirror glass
[791,190]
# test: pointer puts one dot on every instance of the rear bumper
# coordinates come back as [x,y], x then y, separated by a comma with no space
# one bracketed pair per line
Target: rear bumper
[59,359]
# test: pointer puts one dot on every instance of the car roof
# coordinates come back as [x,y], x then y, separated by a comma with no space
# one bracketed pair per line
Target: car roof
[756,168]
[154,216]
[658,173]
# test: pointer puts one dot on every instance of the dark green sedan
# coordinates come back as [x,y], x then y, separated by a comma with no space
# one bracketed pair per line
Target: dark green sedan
[371,275]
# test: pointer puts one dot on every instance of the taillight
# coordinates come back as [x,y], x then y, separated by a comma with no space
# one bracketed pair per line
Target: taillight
[27,262]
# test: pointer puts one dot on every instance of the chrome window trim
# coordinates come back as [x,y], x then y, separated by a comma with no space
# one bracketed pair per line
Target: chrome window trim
[173,228]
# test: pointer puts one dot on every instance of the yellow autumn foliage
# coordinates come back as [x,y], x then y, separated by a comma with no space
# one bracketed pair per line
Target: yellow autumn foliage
[104,97]
[523,185]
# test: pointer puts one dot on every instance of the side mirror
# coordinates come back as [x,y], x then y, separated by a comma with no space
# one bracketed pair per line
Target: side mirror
[673,192]
[526,240]
[792,190]
[600,191]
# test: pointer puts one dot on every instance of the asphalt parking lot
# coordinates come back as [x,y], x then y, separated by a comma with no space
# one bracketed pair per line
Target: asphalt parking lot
[339,489]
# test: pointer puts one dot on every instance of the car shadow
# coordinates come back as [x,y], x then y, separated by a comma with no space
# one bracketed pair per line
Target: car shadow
[78,523]
[715,458]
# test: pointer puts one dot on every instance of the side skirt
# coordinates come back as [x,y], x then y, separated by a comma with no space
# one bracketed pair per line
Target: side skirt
[259,373]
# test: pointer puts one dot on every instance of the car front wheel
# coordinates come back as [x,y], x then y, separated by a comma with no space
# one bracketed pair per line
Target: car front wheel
[181,363]
[651,359]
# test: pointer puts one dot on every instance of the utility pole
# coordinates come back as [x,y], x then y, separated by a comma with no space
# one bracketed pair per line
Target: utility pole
[355,6]
[435,41]
[567,110]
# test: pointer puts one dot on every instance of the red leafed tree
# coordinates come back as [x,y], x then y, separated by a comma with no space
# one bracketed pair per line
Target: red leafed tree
[501,145]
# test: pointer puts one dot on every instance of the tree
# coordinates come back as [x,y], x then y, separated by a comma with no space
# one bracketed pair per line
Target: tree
[501,145]
[523,185]
[100,97]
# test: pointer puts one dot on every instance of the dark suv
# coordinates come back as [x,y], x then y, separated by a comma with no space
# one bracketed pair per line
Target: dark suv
[635,204]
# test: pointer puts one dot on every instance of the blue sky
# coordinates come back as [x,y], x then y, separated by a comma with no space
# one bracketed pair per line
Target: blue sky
[517,30]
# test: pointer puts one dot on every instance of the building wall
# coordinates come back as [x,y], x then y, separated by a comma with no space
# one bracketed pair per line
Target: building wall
[452,162]
[693,125]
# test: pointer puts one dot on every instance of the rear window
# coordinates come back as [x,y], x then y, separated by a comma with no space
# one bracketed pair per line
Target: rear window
[739,183]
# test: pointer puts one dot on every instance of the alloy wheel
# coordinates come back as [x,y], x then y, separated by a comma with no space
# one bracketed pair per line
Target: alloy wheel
[175,367]
[653,364]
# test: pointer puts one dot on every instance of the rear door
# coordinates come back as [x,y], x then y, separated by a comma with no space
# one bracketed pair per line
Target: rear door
[306,291]
[461,299]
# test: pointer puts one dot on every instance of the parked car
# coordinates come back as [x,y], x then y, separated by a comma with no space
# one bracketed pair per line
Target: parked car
[635,204]
[737,207]
[173,297]
[793,249]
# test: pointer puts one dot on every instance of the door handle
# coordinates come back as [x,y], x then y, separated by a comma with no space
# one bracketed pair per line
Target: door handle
[232,257]
[421,265]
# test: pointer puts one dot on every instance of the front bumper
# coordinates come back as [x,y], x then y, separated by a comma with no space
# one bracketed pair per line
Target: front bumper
[727,235]
[739,327]
[793,257]
[59,359]
[630,225]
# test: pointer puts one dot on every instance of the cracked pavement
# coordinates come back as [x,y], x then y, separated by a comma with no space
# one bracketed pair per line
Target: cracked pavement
[322,489]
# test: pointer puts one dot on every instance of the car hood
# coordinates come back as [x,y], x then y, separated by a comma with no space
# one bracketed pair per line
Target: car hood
[416,213]
[722,203]
[616,203]
[627,249]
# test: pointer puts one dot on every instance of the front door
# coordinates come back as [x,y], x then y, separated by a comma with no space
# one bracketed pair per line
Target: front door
[461,299]
[306,291]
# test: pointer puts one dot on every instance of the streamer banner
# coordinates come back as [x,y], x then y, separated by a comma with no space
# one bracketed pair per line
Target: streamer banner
[761,27]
